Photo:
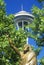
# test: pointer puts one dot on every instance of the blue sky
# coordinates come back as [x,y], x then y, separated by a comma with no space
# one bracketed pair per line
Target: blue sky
[14,6]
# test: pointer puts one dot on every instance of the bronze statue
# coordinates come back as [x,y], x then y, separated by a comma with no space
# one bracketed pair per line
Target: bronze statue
[28,56]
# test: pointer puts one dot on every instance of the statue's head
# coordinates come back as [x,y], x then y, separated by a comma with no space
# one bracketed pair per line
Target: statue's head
[27,48]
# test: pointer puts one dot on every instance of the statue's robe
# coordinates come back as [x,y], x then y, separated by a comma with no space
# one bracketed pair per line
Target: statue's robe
[28,59]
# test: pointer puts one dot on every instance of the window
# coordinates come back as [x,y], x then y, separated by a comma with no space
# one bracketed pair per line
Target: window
[25,23]
[20,24]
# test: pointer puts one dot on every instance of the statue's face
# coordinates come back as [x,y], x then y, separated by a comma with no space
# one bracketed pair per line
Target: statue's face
[26,48]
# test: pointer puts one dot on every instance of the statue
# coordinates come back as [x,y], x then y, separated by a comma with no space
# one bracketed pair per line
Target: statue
[28,56]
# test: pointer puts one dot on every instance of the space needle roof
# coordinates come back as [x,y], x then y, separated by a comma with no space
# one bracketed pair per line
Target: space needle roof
[23,13]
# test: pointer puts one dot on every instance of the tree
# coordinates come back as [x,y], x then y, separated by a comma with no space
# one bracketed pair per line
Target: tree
[40,1]
[37,28]
[7,55]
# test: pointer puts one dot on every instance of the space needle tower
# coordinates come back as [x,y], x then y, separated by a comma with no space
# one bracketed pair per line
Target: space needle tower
[23,18]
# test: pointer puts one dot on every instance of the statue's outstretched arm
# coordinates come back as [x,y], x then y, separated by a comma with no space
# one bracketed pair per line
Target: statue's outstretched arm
[13,46]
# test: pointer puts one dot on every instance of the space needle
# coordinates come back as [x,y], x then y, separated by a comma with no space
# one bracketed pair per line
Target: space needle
[23,18]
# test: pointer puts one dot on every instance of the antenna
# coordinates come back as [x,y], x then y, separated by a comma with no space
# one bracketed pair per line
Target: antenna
[21,7]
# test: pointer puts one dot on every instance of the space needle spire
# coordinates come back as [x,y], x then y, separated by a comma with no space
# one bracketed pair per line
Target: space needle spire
[22,7]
